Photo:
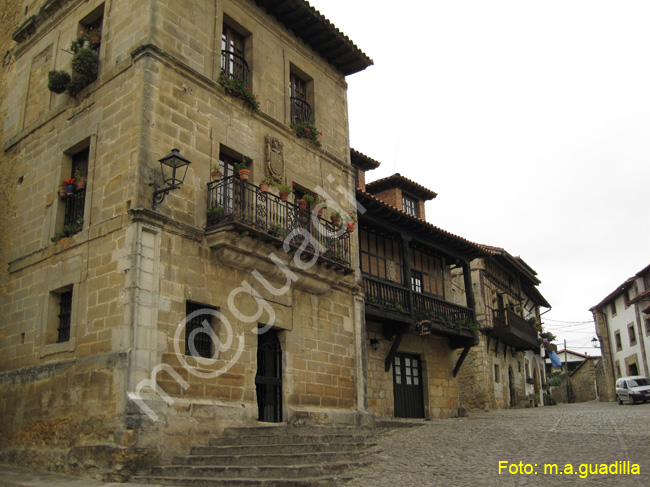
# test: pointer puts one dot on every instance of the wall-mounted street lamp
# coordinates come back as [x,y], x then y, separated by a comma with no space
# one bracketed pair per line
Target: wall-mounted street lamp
[374,344]
[595,342]
[174,168]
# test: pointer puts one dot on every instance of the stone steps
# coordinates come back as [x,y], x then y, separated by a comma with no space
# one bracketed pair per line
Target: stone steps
[268,457]
[271,448]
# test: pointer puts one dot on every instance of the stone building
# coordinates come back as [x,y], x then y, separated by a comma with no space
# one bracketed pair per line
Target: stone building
[506,368]
[584,380]
[132,320]
[622,321]
[414,320]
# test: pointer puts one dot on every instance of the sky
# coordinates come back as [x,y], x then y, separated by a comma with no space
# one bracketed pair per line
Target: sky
[530,119]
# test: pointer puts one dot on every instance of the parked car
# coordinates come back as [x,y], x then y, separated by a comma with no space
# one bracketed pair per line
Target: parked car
[634,389]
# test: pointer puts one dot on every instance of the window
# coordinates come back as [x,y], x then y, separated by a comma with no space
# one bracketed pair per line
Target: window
[232,55]
[631,333]
[199,331]
[380,255]
[430,268]
[632,369]
[612,308]
[74,204]
[416,281]
[619,343]
[410,206]
[300,107]
[618,369]
[497,373]
[647,326]
[64,316]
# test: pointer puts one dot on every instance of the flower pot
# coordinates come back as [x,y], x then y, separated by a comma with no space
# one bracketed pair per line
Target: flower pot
[69,189]
[80,184]
[320,213]
[216,175]
[95,38]
[284,195]
[244,173]
[264,187]
[350,227]
[302,204]
[62,192]
[336,220]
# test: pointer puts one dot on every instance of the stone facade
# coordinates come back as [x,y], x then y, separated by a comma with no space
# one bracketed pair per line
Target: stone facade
[130,272]
[583,380]
[503,371]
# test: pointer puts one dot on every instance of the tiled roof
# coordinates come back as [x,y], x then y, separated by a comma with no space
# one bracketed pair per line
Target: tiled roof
[467,246]
[397,180]
[362,161]
[320,34]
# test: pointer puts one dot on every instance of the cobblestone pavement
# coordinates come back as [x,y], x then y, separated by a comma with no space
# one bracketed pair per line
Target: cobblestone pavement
[467,451]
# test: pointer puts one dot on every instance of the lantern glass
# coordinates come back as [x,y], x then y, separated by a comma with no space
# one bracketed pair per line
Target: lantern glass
[174,168]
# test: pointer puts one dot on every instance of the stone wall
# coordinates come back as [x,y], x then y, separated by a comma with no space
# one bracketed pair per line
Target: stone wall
[583,381]
[440,389]
[132,270]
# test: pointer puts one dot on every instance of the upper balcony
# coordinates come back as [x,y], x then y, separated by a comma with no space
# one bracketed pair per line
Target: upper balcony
[255,216]
[514,330]
[427,314]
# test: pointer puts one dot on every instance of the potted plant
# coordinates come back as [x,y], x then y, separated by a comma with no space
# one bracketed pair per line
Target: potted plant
[285,190]
[62,191]
[266,183]
[79,180]
[302,202]
[242,166]
[57,81]
[69,186]
[307,131]
[351,220]
[321,204]
[238,89]
[335,218]
[215,213]
[215,172]
[94,36]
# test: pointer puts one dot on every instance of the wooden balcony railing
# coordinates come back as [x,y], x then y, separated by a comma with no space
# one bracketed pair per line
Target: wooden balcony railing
[234,200]
[514,330]
[417,307]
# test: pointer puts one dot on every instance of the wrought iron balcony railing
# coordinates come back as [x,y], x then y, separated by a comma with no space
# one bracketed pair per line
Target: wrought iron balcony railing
[417,306]
[300,110]
[514,330]
[234,66]
[74,208]
[234,200]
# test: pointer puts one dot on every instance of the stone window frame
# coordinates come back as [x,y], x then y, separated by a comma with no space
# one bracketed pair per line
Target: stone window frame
[65,172]
[229,24]
[294,72]
[497,373]
[190,307]
[617,341]
[50,320]
[631,333]
[647,326]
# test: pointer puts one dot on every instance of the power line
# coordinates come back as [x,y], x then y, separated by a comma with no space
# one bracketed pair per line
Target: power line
[569,322]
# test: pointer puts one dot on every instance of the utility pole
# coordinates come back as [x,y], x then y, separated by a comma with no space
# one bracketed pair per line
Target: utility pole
[566,369]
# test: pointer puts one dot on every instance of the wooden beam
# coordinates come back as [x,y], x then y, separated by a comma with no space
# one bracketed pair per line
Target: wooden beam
[461,359]
[393,350]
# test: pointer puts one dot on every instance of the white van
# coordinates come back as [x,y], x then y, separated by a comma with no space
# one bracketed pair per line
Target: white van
[634,389]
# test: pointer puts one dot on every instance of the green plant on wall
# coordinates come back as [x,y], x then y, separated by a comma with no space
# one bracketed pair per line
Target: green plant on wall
[307,131]
[84,70]
[69,230]
[238,89]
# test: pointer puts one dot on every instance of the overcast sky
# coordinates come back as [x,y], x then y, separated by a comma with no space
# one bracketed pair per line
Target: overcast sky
[530,119]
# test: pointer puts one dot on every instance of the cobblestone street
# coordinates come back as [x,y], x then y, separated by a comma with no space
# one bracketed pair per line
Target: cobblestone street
[467,451]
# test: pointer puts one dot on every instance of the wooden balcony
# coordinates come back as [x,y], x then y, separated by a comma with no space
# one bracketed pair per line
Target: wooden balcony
[424,314]
[512,329]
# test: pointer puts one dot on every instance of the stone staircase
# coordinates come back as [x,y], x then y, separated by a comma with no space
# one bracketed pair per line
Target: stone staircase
[269,456]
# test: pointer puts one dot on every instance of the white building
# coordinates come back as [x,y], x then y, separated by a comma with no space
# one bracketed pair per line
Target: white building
[623,327]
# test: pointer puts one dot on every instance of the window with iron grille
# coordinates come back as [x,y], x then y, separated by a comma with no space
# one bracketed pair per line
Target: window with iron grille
[65,315]
[233,62]
[300,107]
[199,331]
[410,206]
[74,205]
